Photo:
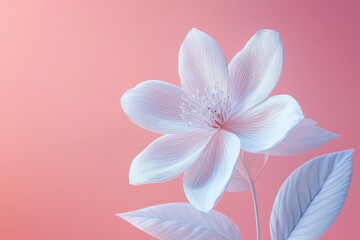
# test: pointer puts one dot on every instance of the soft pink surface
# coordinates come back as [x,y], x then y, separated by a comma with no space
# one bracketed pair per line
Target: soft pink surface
[66,146]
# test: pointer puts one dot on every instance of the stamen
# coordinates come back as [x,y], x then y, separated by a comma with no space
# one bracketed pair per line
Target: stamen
[211,109]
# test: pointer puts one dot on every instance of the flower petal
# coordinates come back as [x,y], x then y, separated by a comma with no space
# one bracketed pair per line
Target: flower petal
[206,180]
[155,105]
[239,182]
[256,69]
[303,137]
[250,164]
[265,125]
[167,157]
[202,65]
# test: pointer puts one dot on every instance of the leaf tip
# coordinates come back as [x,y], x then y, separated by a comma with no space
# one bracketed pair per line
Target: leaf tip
[349,153]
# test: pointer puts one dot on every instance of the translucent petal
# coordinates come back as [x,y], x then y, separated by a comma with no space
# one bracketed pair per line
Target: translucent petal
[267,123]
[202,65]
[303,137]
[256,69]
[206,180]
[167,157]
[239,181]
[155,105]
[253,163]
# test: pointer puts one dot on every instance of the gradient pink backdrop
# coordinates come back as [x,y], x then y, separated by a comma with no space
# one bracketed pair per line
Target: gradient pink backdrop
[66,145]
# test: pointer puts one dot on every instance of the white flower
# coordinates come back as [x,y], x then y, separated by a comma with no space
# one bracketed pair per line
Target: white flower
[218,110]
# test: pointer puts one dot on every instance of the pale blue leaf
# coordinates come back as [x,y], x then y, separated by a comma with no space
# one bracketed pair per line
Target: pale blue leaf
[312,197]
[181,221]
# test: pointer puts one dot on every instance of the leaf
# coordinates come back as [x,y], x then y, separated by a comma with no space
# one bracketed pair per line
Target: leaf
[182,221]
[312,197]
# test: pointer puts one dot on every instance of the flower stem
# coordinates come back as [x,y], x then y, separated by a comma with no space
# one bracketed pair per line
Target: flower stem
[253,193]
[266,157]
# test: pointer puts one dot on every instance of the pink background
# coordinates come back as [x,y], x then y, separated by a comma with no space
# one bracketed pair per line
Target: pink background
[66,145]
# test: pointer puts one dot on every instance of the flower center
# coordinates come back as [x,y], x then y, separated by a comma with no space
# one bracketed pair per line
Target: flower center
[209,107]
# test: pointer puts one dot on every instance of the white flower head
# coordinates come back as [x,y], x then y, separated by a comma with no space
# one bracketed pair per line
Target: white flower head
[219,110]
